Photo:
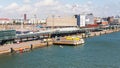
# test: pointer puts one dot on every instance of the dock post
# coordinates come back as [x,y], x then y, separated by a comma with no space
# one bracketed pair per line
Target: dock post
[82,35]
[94,34]
[11,50]
[31,47]
[85,36]
[100,33]
[47,42]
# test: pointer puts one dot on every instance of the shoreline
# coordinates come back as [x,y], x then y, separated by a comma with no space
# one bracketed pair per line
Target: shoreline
[24,45]
[39,44]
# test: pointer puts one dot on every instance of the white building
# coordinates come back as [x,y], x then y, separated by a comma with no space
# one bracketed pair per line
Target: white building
[18,21]
[43,21]
[5,21]
[34,21]
[81,19]
[84,19]
[89,19]
[117,21]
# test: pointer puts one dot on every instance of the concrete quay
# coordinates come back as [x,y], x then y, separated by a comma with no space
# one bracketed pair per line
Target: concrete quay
[92,34]
[24,45]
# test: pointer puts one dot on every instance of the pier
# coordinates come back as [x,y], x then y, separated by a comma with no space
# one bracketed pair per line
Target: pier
[24,45]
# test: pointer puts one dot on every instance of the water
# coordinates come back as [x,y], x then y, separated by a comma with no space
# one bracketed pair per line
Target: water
[98,52]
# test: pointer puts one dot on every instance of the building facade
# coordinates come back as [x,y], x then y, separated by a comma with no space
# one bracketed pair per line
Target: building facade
[84,19]
[61,21]
[116,20]
[89,19]
[5,21]
[80,20]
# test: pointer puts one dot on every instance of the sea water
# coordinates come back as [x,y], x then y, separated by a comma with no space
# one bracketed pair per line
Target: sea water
[97,52]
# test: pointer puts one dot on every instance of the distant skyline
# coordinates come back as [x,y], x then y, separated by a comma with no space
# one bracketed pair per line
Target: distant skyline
[45,8]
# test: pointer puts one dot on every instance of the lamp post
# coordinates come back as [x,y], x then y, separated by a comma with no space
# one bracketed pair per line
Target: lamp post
[21,26]
[34,22]
[52,26]
[53,22]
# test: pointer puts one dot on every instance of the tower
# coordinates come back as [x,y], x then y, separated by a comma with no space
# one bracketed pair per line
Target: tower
[25,17]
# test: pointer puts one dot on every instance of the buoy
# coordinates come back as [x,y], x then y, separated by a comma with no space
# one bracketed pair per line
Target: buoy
[61,46]
[21,50]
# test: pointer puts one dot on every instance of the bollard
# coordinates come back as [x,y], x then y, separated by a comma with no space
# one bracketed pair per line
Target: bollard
[85,36]
[100,33]
[31,47]
[105,32]
[95,34]
[82,35]
[47,42]
[11,50]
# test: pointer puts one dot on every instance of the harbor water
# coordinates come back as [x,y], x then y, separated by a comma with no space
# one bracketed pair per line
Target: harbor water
[97,52]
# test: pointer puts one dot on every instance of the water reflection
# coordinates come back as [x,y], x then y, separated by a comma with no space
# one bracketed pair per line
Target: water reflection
[79,46]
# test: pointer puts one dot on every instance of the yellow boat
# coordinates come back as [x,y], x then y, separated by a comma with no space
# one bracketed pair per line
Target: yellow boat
[69,40]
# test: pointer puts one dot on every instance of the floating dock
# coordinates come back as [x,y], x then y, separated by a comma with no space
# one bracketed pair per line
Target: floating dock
[69,41]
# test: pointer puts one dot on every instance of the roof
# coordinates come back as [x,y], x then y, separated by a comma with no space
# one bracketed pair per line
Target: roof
[39,26]
[6,19]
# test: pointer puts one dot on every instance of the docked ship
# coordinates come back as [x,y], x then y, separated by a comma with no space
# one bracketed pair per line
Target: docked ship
[69,40]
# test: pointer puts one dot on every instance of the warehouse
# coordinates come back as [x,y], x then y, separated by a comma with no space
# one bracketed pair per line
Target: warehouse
[61,21]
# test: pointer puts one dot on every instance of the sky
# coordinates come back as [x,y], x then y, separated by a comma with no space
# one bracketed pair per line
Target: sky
[45,8]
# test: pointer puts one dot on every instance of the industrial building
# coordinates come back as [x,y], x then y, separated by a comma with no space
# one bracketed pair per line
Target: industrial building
[78,20]
[116,20]
[89,19]
[81,19]
[61,21]
[84,20]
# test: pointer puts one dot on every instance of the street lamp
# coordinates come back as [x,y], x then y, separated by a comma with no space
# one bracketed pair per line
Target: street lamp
[53,22]
[21,26]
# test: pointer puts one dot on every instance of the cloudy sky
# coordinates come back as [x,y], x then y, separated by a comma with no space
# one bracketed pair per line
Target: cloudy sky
[45,8]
